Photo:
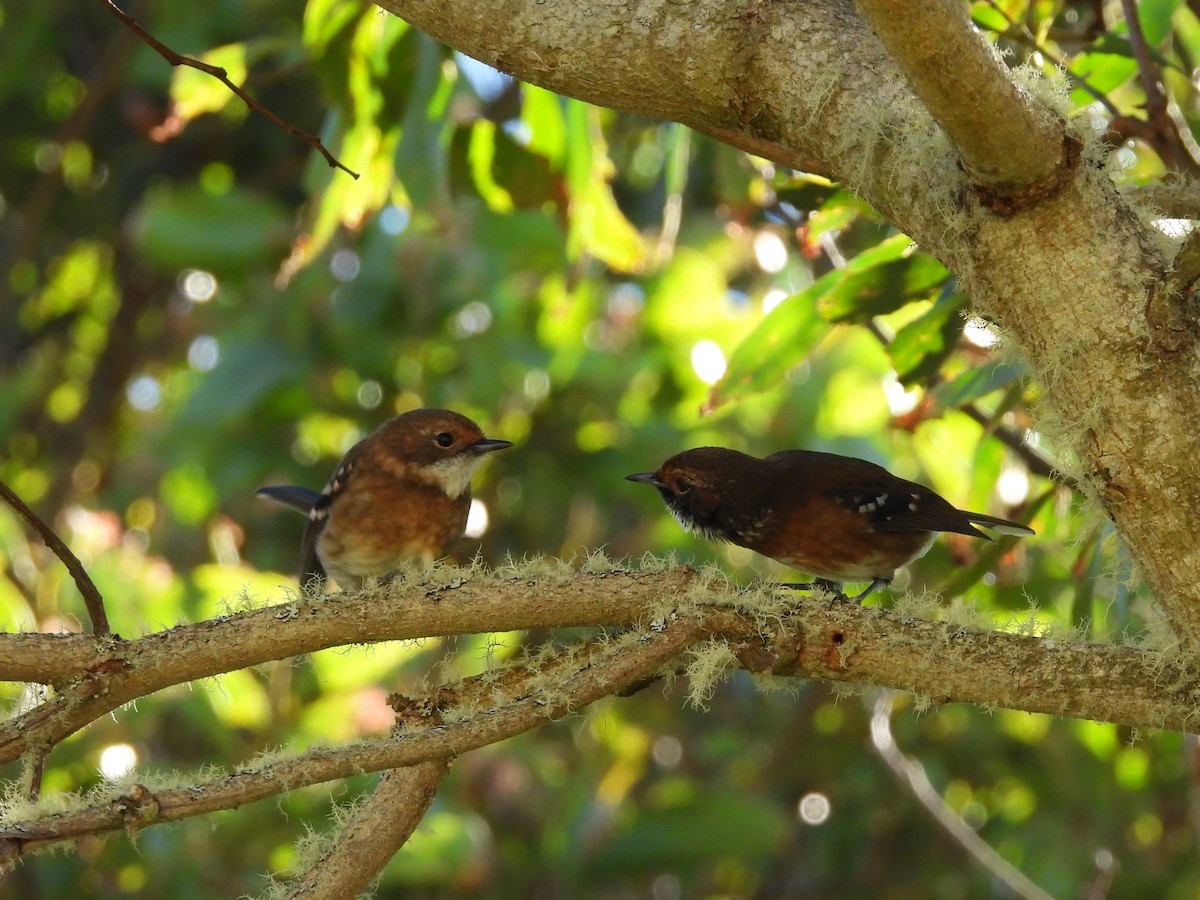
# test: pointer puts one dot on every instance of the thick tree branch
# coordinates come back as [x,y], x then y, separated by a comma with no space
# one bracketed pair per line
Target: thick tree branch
[767,632]
[1011,148]
[816,640]
[485,716]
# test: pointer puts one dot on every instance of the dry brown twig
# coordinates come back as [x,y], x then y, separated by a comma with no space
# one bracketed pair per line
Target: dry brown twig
[91,595]
[177,59]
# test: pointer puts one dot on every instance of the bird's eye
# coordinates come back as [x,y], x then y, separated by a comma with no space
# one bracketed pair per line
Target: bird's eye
[444,439]
[683,485]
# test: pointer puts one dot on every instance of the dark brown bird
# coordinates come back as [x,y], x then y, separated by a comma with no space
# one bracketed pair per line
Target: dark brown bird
[401,493]
[835,517]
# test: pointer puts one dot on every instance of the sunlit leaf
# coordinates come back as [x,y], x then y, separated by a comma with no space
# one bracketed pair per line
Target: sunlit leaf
[481,154]
[542,115]
[325,20]
[988,17]
[835,214]
[195,92]
[597,226]
[1155,18]
[871,289]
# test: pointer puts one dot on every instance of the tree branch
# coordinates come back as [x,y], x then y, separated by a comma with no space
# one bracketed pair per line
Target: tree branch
[176,59]
[1015,151]
[911,774]
[478,715]
[767,631]
[840,642]
[377,830]
[91,596]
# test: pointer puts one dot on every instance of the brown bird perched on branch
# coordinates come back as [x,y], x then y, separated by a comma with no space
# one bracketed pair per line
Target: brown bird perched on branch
[836,517]
[401,493]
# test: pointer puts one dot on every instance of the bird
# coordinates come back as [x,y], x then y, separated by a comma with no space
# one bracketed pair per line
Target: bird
[402,493]
[838,518]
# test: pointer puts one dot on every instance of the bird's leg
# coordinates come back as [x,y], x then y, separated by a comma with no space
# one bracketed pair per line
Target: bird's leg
[875,585]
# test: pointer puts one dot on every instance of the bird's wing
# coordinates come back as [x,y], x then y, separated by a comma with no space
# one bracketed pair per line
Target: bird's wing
[899,505]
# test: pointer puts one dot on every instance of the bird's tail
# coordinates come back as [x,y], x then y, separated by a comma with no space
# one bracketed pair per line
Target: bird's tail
[300,499]
[1003,526]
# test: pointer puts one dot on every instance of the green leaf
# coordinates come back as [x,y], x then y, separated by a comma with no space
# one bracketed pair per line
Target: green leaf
[780,341]
[835,214]
[481,153]
[1105,71]
[975,383]
[248,370]
[1155,18]
[421,156]
[988,18]
[325,21]
[597,226]
[878,289]
[542,114]
[920,347]
[185,227]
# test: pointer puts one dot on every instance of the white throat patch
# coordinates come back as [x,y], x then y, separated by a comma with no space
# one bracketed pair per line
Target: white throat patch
[453,475]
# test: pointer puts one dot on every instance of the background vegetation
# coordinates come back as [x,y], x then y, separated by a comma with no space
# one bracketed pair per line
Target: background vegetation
[195,304]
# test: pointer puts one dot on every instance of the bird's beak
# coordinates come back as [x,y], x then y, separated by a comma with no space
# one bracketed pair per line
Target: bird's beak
[650,478]
[487,445]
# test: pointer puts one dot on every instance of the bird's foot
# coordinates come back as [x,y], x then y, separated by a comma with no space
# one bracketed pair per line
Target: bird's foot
[834,589]
[831,588]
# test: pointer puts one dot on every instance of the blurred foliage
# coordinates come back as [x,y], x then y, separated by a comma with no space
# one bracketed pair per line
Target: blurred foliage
[194,304]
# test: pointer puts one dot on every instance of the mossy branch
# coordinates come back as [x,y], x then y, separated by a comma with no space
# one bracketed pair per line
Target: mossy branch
[671,612]
[376,830]
[802,637]
[463,717]
[1013,149]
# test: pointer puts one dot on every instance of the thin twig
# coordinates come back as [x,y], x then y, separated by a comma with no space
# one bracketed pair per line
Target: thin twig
[911,774]
[91,596]
[1034,461]
[35,768]
[176,59]
[1157,104]
[1148,74]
